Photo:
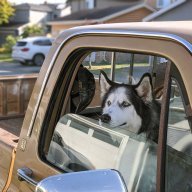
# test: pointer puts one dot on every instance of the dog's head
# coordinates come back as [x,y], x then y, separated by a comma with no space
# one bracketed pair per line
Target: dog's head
[122,104]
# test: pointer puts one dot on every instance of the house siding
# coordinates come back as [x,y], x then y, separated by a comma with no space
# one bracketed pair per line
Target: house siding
[154,3]
[38,17]
[21,16]
[77,5]
[134,16]
[151,3]
[57,29]
[105,3]
[180,13]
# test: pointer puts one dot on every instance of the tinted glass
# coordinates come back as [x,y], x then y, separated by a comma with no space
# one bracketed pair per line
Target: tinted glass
[45,42]
[21,43]
[179,144]
[82,141]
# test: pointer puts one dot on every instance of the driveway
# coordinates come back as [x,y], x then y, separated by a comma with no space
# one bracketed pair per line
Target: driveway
[14,68]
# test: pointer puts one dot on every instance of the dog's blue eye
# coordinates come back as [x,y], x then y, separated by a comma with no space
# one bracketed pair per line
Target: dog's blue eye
[108,103]
[125,104]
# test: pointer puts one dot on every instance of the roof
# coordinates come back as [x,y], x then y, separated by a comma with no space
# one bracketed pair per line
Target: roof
[183,29]
[55,6]
[176,9]
[93,13]
[34,7]
[101,14]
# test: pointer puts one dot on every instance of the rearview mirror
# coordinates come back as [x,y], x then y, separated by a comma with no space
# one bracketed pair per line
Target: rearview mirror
[84,181]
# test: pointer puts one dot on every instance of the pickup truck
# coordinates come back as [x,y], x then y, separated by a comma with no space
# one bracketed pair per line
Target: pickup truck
[62,145]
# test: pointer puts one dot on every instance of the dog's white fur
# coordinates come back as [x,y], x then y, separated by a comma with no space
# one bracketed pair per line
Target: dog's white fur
[119,115]
[124,116]
[144,90]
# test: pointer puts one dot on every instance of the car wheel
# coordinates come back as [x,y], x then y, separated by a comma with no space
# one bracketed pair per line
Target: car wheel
[38,59]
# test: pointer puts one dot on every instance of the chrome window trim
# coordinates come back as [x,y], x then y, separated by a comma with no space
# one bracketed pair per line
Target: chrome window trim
[150,35]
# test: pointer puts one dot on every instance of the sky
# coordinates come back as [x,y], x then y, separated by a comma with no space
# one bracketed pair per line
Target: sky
[35,1]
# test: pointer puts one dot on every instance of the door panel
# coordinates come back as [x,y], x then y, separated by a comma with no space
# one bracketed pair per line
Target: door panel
[38,133]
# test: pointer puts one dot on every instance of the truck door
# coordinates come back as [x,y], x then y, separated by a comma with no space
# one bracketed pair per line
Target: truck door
[62,131]
[177,146]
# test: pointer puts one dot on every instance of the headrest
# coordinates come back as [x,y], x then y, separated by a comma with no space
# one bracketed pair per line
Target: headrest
[83,89]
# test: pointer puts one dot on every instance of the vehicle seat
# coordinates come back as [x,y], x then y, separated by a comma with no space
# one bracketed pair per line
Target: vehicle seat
[83,90]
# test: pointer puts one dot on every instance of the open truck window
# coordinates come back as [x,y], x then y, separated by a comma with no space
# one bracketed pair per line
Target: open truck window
[179,139]
[81,141]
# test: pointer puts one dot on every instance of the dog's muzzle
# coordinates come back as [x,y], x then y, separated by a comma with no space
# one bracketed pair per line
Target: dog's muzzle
[105,118]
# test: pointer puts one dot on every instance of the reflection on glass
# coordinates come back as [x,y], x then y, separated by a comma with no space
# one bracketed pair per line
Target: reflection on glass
[80,143]
[179,144]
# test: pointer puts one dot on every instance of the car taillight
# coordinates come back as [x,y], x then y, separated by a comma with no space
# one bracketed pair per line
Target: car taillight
[25,49]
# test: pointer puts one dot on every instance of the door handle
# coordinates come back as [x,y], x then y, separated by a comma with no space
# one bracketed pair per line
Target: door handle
[25,174]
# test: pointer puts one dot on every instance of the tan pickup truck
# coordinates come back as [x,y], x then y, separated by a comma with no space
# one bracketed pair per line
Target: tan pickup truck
[64,146]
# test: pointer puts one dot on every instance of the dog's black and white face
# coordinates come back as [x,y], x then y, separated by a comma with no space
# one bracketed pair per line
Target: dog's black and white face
[122,103]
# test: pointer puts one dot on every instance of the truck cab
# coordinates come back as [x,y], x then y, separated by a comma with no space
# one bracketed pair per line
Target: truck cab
[61,131]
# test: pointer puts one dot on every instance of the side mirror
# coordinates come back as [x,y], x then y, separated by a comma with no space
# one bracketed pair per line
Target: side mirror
[84,181]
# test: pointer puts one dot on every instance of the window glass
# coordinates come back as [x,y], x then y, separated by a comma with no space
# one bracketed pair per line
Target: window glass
[86,137]
[45,42]
[122,67]
[21,43]
[80,143]
[179,144]
[90,4]
[98,60]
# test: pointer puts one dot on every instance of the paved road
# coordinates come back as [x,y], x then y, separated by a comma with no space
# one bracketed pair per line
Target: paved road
[17,69]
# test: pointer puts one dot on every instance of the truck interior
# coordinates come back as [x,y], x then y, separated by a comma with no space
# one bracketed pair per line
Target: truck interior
[80,142]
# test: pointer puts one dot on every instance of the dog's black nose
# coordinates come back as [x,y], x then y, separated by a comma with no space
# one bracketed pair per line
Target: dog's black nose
[105,118]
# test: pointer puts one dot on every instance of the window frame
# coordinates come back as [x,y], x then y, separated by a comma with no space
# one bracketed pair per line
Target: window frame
[172,72]
[132,46]
[44,141]
[81,54]
[133,38]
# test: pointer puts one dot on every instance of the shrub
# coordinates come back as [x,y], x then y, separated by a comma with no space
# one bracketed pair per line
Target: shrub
[10,42]
[33,30]
[2,50]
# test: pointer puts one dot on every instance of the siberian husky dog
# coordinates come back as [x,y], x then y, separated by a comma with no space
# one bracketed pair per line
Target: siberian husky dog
[130,106]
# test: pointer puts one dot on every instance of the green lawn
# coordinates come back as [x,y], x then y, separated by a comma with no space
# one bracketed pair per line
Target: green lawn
[118,66]
[5,57]
[95,69]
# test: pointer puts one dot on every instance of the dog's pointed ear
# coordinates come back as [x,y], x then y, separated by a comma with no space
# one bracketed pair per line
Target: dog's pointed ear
[144,88]
[104,82]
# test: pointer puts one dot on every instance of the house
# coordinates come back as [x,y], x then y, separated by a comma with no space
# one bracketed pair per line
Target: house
[100,12]
[84,12]
[159,4]
[77,5]
[178,11]
[27,14]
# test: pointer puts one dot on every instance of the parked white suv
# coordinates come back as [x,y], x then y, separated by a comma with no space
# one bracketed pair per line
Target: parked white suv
[31,49]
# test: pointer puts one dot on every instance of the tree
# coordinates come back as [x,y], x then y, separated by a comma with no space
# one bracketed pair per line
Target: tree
[33,30]
[6,11]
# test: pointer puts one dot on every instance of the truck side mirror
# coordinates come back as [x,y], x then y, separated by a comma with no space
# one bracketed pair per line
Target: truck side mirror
[90,181]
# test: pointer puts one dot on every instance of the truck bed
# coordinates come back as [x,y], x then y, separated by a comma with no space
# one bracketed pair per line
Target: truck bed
[10,130]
